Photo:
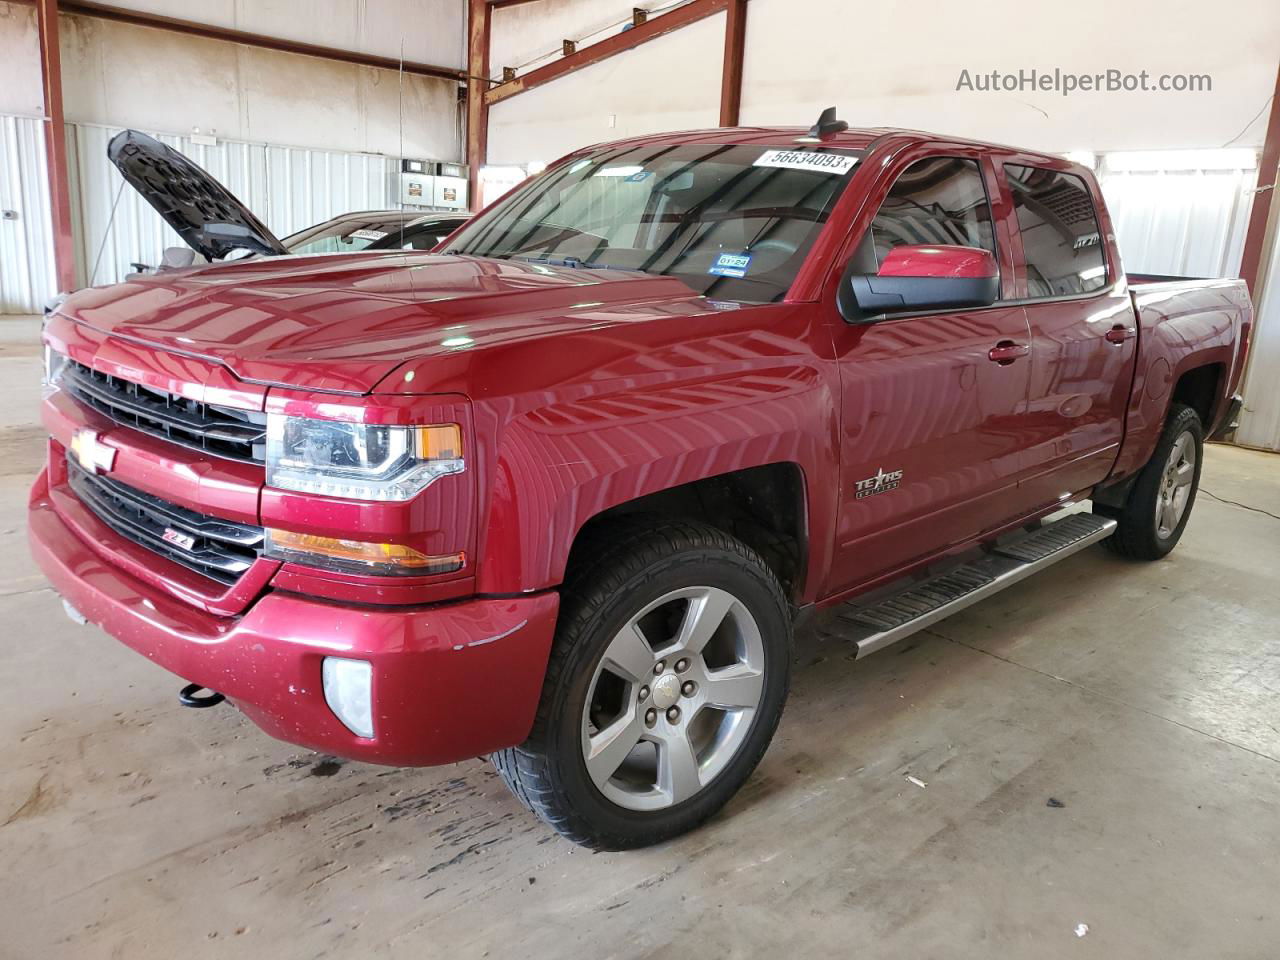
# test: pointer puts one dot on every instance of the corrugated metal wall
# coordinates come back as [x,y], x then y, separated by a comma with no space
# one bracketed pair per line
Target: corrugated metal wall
[1260,420]
[289,188]
[27,277]
[1182,221]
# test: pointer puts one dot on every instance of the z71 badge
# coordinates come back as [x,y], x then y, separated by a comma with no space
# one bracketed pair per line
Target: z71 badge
[882,482]
[178,539]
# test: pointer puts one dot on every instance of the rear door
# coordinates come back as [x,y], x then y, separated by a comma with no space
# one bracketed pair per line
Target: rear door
[929,425]
[1084,338]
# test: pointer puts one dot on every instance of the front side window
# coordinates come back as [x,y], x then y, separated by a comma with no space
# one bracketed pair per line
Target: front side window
[1061,239]
[733,222]
[941,200]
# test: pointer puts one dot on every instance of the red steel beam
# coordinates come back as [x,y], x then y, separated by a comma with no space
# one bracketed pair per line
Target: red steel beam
[55,146]
[102,11]
[651,30]
[1268,167]
[478,24]
[735,39]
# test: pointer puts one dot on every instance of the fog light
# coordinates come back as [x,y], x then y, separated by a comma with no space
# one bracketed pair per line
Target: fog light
[348,689]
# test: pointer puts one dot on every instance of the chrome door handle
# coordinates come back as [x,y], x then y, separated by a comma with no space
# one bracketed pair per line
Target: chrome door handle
[1119,334]
[1006,351]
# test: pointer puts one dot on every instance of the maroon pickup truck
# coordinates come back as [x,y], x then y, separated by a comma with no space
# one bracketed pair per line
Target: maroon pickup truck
[558,492]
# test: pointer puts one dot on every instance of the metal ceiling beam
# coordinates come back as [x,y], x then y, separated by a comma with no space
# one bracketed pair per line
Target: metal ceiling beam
[55,146]
[1263,200]
[652,29]
[102,11]
[735,40]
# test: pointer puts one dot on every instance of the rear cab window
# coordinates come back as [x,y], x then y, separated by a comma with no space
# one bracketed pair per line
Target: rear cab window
[734,222]
[1061,238]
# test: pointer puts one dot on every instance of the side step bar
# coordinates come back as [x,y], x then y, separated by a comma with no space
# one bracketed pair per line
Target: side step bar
[884,621]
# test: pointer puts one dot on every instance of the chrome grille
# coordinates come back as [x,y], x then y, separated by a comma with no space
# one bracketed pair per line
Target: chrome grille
[209,428]
[219,549]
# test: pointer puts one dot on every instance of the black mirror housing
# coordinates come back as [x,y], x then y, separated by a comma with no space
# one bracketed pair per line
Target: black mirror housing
[875,294]
[921,277]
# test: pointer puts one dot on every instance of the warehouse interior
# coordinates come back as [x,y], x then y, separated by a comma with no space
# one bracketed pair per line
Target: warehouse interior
[1086,765]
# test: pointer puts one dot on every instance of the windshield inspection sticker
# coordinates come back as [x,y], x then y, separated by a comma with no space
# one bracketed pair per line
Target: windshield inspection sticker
[367,234]
[836,163]
[731,265]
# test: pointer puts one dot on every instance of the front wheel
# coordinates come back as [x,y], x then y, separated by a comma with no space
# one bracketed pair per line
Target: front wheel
[1151,522]
[666,682]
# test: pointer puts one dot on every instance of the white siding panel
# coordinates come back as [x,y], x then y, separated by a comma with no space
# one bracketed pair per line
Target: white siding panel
[1180,222]
[288,188]
[1260,421]
[321,185]
[27,275]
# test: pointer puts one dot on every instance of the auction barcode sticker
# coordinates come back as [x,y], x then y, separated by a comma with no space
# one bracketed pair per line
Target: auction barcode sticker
[837,163]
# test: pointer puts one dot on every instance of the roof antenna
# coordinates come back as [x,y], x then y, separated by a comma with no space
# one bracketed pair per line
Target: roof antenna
[827,126]
[400,159]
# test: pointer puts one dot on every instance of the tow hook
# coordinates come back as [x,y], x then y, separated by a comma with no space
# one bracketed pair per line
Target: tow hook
[187,697]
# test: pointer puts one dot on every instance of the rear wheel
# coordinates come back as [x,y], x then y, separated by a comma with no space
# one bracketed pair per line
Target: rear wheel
[1154,515]
[666,682]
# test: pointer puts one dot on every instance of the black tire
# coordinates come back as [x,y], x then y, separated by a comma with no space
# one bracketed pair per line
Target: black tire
[1137,536]
[620,571]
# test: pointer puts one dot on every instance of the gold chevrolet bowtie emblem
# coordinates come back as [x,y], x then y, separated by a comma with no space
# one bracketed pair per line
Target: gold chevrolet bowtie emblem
[94,455]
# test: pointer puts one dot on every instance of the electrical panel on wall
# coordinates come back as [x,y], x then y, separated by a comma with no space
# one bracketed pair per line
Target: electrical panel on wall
[431,185]
[451,186]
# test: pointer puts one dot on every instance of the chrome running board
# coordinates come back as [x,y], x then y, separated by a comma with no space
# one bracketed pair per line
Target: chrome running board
[887,619]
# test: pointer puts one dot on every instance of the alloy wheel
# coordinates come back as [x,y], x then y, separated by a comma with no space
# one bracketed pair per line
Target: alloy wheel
[1175,485]
[672,700]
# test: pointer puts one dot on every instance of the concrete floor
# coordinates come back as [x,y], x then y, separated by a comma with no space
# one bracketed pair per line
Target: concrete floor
[1145,698]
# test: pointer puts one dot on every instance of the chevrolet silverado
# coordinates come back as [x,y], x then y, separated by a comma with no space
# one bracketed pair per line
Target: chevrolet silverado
[559,491]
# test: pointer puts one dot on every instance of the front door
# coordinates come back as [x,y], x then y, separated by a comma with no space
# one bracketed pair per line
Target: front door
[930,423]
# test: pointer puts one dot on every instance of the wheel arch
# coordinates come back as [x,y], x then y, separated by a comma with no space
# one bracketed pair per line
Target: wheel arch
[535,523]
[1196,380]
[1198,386]
[766,507]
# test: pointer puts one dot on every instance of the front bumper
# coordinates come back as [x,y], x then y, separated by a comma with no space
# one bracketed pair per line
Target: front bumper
[450,681]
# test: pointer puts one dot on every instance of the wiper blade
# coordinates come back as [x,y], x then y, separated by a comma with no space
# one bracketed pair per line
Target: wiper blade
[572,262]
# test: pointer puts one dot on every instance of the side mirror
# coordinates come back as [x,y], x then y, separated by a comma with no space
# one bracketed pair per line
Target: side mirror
[927,277]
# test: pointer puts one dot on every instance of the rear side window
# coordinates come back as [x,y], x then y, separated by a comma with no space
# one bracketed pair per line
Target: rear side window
[1061,240]
[939,200]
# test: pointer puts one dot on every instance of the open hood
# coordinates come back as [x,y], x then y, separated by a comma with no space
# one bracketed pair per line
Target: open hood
[205,213]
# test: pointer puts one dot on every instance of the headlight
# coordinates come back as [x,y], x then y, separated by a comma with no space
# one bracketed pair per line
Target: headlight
[53,363]
[360,461]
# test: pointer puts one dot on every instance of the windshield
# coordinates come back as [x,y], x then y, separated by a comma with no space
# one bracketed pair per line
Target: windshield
[343,236]
[418,235]
[734,222]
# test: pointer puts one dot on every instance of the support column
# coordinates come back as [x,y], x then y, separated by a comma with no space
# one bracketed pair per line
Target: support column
[735,36]
[1268,165]
[477,86]
[55,145]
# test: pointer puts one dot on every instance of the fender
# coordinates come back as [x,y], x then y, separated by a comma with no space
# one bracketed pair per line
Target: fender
[646,419]
[1215,317]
